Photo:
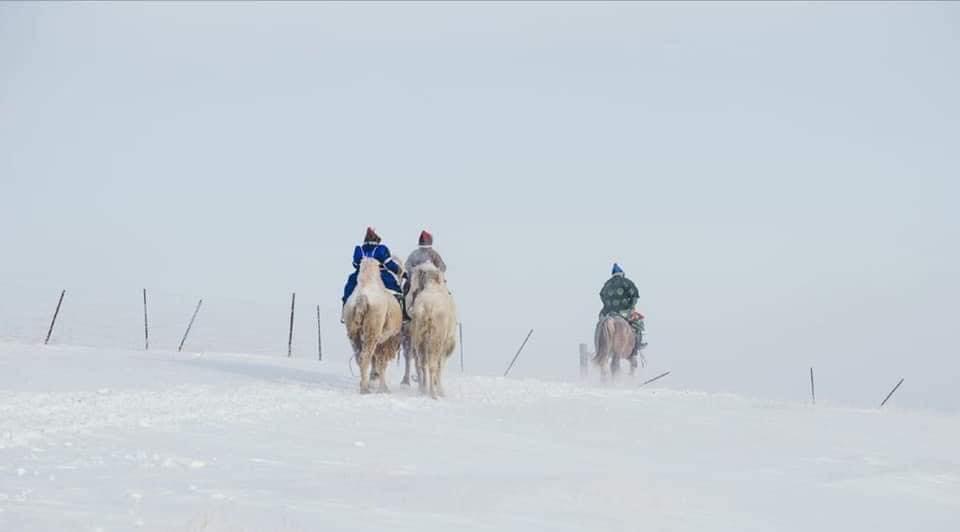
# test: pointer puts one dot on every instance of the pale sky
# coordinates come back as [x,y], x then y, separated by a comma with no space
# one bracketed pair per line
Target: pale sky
[778,179]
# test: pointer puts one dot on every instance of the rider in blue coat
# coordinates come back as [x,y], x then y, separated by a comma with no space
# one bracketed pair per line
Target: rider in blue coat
[390,270]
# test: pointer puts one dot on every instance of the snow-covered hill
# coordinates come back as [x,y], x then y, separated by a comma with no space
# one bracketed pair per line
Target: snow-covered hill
[95,439]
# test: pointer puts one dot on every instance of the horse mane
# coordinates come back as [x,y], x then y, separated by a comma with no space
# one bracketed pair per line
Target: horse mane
[427,273]
[369,272]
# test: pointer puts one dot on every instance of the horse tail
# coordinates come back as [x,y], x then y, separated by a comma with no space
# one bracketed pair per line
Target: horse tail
[355,326]
[601,339]
[424,333]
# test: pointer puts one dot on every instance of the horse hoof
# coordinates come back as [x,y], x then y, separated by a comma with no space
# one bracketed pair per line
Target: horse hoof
[364,391]
[405,381]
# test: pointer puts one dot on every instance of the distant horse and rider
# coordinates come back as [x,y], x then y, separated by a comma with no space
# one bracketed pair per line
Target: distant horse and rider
[619,332]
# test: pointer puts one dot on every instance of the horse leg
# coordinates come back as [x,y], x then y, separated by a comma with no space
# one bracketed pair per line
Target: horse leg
[406,369]
[633,365]
[434,378]
[614,365]
[422,379]
[381,361]
[365,360]
[427,375]
[383,376]
[601,362]
[440,364]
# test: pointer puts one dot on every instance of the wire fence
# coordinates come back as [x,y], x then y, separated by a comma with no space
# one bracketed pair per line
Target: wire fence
[116,319]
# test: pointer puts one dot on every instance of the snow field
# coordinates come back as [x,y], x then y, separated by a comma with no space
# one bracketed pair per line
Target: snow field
[94,439]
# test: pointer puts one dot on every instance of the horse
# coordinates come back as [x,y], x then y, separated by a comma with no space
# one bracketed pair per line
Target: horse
[413,288]
[373,318]
[433,327]
[614,340]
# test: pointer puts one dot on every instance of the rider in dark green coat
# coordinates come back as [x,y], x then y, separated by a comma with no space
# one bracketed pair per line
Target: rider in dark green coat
[619,296]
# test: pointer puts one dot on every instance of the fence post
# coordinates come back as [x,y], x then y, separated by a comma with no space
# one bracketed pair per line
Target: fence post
[518,353]
[293,301]
[146,327]
[460,327]
[584,361]
[813,392]
[319,338]
[190,325]
[887,398]
[54,320]
[658,377]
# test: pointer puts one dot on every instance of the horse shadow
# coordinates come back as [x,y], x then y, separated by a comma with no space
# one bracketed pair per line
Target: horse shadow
[273,373]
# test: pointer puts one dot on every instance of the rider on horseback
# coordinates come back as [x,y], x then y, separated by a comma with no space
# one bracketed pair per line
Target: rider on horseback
[425,253]
[390,270]
[422,255]
[619,296]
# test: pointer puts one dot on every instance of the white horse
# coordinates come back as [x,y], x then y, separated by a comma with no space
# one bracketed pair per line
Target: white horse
[433,326]
[373,318]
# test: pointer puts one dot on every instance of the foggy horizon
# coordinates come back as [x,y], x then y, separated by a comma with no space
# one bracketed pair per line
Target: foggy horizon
[779,180]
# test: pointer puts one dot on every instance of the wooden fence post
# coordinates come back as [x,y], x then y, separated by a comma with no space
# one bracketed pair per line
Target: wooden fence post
[813,392]
[189,325]
[146,327]
[518,353]
[584,361]
[319,338]
[54,320]
[658,377]
[293,301]
[887,398]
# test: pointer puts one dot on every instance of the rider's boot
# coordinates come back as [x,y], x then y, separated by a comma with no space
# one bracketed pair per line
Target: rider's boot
[403,306]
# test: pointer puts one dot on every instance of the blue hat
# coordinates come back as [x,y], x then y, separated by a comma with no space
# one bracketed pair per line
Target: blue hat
[616,269]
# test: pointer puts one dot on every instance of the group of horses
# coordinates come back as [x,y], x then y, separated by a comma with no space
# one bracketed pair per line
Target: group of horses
[377,331]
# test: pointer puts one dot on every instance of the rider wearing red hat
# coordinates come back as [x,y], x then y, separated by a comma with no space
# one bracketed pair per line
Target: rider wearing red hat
[422,255]
[390,269]
[425,253]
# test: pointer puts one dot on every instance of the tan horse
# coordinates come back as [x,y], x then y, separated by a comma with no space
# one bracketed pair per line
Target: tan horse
[373,318]
[433,327]
[405,342]
[614,340]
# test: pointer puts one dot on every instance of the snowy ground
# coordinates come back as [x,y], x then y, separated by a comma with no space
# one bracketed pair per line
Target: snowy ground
[96,439]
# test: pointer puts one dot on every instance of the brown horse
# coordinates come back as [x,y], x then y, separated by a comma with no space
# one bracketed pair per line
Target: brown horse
[373,318]
[614,340]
